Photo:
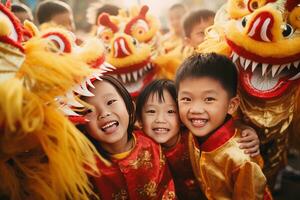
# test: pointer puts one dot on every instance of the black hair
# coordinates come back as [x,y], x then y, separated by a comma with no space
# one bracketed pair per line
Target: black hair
[20,7]
[96,9]
[129,107]
[47,9]
[212,65]
[177,5]
[195,17]
[155,87]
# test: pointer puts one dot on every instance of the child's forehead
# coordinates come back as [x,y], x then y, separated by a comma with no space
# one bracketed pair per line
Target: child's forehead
[198,83]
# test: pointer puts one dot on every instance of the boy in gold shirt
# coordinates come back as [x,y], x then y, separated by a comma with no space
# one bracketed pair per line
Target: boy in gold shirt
[207,97]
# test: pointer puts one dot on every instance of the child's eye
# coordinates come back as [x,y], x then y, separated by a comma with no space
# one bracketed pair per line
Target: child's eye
[209,99]
[171,111]
[185,99]
[150,111]
[111,101]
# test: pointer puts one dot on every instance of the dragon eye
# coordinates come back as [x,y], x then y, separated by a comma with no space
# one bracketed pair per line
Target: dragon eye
[287,30]
[244,22]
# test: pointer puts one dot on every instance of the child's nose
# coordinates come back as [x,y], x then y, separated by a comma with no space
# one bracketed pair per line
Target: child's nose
[197,109]
[160,118]
[103,115]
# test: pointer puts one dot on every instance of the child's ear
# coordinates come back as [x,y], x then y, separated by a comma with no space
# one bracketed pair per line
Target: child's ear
[233,105]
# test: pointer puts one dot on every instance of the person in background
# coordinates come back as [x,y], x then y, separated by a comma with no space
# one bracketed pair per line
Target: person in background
[207,99]
[22,12]
[194,25]
[51,13]
[157,113]
[174,37]
[95,10]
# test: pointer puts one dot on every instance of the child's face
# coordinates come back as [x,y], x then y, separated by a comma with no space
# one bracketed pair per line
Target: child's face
[175,16]
[64,19]
[197,32]
[22,16]
[109,119]
[204,104]
[160,120]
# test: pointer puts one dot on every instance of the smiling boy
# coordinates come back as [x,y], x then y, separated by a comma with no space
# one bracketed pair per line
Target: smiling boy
[207,98]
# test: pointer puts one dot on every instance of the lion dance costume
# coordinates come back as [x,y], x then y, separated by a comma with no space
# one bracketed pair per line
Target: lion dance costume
[263,40]
[42,154]
[132,46]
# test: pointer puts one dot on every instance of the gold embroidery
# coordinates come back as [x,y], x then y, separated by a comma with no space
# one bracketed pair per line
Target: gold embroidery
[169,196]
[149,190]
[143,159]
[162,160]
[122,195]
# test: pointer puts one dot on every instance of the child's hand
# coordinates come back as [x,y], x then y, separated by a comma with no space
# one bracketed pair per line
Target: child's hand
[249,141]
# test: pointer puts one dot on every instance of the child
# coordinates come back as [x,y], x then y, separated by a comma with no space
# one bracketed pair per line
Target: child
[22,12]
[55,12]
[174,37]
[194,25]
[158,114]
[207,97]
[133,166]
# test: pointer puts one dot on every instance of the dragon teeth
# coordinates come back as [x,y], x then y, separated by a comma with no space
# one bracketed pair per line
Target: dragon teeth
[254,65]
[264,68]
[275,69]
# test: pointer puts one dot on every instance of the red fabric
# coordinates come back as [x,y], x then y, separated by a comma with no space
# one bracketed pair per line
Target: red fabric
[142,15]
[219,137]
[180,165]
[122,179]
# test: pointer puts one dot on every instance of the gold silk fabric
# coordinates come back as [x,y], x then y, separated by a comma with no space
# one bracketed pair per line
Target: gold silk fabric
[225,172]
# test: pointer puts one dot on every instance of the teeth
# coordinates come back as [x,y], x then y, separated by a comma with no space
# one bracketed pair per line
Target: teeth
[149,66]
[234,57]
[83,91]
[296,64]
[145,69]
[247,63]
[135,75]
[281,68]
[108,125]
[141,72]
[295,77]
[242,61]
[88,81]
[128,77]
[289,65]
[275,69]
[123,77]
[264,68]
[254,65]
[68,111]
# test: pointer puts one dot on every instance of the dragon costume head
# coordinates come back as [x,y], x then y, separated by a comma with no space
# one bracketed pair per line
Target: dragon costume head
[42,154]
[266,47]
[131,43]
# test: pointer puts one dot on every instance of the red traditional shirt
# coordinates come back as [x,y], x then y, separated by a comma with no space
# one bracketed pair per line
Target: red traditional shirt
[142,174]
[179,162]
